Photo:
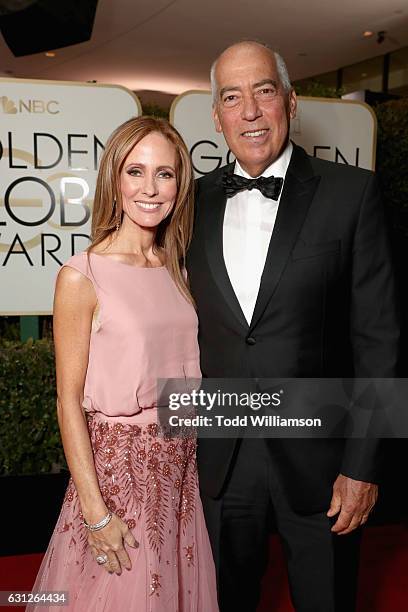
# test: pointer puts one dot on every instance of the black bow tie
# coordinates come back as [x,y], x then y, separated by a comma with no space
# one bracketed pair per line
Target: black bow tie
[270,187]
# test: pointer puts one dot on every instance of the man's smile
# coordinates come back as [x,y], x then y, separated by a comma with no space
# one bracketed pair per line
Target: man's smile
[254,133]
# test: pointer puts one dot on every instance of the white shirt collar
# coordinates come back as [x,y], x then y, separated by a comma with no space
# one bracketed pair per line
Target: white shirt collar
[277,168]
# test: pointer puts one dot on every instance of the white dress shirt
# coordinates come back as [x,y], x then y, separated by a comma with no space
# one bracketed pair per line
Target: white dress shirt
[248,224]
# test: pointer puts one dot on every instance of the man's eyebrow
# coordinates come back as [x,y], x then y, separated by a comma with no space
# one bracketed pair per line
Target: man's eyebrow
[265,82]
[254,86]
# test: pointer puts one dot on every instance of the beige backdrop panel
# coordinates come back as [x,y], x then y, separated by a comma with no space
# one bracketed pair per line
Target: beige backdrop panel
[333,129]
[51,137]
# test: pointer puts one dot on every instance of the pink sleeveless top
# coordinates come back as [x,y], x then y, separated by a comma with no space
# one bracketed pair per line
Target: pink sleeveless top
[144,330]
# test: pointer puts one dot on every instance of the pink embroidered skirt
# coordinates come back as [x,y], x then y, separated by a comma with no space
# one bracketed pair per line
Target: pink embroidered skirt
[150,482]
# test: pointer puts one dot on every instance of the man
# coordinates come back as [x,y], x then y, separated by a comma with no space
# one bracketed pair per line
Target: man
[294,282]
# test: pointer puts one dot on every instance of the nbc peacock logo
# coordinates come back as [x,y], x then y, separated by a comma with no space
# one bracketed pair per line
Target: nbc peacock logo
[7,105]
[28,105]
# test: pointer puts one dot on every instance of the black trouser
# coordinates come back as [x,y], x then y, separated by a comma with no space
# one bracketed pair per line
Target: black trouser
[322,567]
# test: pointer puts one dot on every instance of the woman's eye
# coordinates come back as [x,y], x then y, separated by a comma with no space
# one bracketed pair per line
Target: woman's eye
[166,174]
[134,172]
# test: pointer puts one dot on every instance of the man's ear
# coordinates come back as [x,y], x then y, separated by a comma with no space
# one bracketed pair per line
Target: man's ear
[292,104]
[216,118]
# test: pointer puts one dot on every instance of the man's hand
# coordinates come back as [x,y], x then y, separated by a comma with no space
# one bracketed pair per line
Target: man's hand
[354,499]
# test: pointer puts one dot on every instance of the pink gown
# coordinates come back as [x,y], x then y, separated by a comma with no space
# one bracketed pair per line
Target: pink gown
[143,330]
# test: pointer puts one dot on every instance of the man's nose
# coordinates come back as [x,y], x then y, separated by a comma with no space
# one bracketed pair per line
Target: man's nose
[250,108]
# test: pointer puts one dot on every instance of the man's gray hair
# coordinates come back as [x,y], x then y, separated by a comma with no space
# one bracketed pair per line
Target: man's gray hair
[280,65]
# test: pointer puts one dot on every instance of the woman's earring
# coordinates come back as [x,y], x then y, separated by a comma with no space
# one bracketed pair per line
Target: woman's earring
[116,215]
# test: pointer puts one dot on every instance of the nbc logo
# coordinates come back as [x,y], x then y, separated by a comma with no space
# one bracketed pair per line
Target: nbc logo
[7,105]
[11,107]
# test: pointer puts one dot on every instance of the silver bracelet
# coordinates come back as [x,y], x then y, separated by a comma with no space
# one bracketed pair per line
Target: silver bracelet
[106,519]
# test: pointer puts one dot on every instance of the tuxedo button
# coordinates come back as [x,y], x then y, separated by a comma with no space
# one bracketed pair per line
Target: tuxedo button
[250,340]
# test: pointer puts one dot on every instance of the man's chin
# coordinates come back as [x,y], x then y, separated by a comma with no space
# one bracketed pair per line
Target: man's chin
[255,165]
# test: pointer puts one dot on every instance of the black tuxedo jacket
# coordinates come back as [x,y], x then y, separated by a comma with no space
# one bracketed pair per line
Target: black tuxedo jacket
[326,308]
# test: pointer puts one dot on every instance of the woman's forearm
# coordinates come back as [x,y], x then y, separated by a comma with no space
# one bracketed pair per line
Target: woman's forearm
[79,455]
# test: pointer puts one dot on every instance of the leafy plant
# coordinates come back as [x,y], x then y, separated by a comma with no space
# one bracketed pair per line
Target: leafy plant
[155,111]
[10,328]
[392,155]
[315,89]
[29,435]
[391,169]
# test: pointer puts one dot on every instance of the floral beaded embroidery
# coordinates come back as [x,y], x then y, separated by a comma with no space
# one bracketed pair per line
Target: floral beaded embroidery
[155,584]
[160,475]
[189,554]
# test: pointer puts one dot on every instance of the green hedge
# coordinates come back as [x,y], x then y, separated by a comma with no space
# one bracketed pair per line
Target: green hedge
[392,156]
[315,89]
[155,111]
[29,435]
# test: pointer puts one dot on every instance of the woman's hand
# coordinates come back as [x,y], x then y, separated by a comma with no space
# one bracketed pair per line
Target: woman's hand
[109,541]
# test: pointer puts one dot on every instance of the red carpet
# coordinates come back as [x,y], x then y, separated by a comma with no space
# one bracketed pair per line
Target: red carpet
[383,575]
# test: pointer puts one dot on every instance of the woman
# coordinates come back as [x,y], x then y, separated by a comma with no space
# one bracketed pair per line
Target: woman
[131,533]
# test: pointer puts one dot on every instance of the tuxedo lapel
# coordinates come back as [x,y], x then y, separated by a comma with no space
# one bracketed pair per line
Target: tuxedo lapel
[298,191]
[215,199]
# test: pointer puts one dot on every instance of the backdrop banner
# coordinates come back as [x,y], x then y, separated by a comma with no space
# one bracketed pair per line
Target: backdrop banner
[52,134]
[343,131]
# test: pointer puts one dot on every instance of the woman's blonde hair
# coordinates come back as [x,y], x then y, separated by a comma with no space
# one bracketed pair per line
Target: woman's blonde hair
[174,232]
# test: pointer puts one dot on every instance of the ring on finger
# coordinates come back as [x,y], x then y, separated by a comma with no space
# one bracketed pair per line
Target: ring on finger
[101,559]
